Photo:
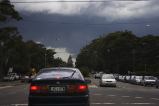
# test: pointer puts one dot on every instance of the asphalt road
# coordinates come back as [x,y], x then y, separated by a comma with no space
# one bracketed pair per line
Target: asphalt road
[123,95]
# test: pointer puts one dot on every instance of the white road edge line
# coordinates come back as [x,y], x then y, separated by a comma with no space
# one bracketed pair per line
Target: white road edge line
[125,96]
[103,103]
[3,87]
[155,98]
[19,104]
[111,95]
[138,97]
[97,94]
[139,103]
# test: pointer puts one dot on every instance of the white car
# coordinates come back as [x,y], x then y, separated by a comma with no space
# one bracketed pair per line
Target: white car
[137,80]
[107,80]
[148,80]
[11,77]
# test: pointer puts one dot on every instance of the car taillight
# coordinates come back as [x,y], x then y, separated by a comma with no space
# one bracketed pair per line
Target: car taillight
[38,88]
[34,88]
[80,88]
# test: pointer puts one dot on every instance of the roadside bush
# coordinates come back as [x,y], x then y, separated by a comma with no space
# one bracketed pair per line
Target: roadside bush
[84,71]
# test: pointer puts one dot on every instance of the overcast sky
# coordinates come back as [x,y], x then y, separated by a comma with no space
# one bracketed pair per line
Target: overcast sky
[68,26]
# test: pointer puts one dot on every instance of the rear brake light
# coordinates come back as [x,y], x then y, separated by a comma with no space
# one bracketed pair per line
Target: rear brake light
[77,88]
[82,88]
[38,88]
[34,88]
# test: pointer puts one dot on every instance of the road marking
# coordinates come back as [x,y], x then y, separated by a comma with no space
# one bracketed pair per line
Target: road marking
[138,97]
[138,103]
[19,104]
[125,96]
[103,103]
[3,87]
[155,98]
[107,103]
[97,94]
[111,95]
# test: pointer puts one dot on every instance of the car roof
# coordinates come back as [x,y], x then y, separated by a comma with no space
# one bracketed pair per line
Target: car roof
[65,68]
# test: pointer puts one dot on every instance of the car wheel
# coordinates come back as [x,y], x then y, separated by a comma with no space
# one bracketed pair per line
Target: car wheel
[156,86]
[145,84]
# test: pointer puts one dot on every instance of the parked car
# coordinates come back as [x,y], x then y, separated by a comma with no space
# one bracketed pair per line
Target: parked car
[11,77]
[97,76]
[137,80]
[107,80]
[127,78]
[157,82]
[25,78]
[132,77]
[59,86]
[148,80]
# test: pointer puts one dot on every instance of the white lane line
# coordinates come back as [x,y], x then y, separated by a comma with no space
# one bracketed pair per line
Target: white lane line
[138,103]
[125,96]
[103,103]
[3,87]
[155,98]
[138,97]
[111,95]
[97,94]
[19,104]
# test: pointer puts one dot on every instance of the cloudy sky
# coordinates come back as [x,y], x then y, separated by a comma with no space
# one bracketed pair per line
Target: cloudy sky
[68,26]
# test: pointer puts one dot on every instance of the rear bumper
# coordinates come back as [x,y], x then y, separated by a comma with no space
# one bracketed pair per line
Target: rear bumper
[108,84]
[59,100]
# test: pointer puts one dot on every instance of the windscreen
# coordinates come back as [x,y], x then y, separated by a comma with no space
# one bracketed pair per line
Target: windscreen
[55,74]
[108,77]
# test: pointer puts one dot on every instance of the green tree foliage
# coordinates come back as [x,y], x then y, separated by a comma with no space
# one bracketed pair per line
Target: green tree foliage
[120,52]
[23,56]
[69,61]
[7,11]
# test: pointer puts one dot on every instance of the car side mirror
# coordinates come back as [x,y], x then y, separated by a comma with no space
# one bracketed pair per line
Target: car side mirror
[88,81]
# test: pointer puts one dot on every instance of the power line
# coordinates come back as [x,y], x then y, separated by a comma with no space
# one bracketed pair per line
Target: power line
[72,1]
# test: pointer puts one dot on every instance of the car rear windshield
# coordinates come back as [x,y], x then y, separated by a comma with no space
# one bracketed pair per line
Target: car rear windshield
[55,74]
[108,77]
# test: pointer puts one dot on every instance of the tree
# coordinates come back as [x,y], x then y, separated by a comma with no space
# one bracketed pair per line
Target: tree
[120,52]
[69,61]
[7,11]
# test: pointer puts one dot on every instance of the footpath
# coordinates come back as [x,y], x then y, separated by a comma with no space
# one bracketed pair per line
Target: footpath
[10,83]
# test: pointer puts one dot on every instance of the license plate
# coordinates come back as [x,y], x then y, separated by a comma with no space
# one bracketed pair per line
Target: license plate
[57,89]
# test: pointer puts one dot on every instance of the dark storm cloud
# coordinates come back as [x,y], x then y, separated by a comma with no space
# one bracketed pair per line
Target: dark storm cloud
[73,26]
[73,32]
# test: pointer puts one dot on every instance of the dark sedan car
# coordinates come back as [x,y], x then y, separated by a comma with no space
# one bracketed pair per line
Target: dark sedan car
[59,87]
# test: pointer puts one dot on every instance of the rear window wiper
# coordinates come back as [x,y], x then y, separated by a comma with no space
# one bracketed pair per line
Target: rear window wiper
[70,75]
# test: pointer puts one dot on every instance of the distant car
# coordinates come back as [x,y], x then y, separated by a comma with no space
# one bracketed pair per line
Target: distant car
[97,75]
[127,78]
[11,77]
[107,80]
[137,80]
[148,80]
[157,82]
[58,87]
[25,78]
